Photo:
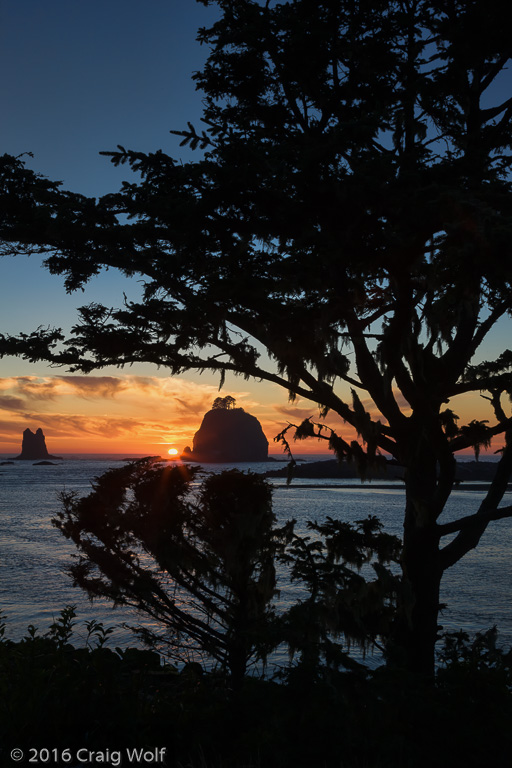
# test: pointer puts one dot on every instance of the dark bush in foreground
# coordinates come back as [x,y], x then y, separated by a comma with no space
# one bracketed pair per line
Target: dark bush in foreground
[55,695]
[200,562]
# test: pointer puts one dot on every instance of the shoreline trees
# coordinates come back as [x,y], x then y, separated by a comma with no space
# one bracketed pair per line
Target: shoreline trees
[351,213]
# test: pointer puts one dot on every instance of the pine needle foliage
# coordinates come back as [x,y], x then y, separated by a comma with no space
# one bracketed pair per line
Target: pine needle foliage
[198,560]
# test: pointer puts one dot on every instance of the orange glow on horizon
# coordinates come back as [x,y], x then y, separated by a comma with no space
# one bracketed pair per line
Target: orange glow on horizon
[143,415]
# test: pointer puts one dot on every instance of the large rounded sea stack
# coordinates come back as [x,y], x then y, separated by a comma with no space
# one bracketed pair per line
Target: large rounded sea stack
[228,434]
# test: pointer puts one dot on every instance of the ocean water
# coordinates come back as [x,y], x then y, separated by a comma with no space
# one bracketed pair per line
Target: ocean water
[34,555]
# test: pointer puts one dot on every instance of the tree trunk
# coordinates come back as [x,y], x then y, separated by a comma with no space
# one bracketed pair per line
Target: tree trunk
[237,639]
[237,661]
[422,578]
[422,571]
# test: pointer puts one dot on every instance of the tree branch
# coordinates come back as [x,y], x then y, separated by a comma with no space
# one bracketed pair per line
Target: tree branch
[471,520]
[460,443]
[486,325]
[377,385]
[470,532]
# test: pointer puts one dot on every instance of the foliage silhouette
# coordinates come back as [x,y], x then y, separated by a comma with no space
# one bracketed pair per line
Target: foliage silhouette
[224,403]
[56,695]
[350,212]
[75,697]
[200,563]
[341,601]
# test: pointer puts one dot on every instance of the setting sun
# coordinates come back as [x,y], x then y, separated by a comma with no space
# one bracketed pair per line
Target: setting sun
[173,451]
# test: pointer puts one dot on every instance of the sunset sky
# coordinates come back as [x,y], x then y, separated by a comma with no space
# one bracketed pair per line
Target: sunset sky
[77,78]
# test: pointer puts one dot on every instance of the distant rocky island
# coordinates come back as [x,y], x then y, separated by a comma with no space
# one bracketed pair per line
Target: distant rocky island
[228,434]
[33,447]
[331,468]
[467,471]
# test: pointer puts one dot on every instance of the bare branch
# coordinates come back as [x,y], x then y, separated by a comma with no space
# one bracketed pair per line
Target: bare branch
[472,527]
[470,521]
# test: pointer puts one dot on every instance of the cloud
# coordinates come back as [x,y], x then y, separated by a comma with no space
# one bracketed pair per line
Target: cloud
[66,425]
[8,403]
[181,394]
[9,428]
[297,415]
[94,386]
[372,409]
[401,401]
[49,388]
[7,439]
[35,388]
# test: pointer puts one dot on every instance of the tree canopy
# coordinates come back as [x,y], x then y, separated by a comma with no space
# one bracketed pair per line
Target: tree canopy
[350,212]
[224,403]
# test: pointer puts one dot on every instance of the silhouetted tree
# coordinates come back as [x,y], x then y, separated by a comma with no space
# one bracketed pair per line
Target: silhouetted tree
[225,403]
[201,566]
[350,212]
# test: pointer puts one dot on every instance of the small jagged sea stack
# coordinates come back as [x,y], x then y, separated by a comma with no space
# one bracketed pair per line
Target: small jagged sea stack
[34,447]
[228,434]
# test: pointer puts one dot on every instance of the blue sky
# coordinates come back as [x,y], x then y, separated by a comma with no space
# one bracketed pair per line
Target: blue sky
[81,76]
[78,77]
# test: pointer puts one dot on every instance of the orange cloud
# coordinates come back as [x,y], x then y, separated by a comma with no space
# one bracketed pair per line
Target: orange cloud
[35,388]
[97,386]
[297,415]
[8,403]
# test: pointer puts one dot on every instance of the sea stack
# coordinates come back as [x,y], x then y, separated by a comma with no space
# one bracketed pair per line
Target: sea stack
[228,434]
[33,447]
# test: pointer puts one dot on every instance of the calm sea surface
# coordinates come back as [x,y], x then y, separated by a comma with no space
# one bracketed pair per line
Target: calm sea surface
[33,554]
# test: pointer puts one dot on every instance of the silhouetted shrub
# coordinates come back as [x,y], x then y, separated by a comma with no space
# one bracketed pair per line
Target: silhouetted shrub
[199,561]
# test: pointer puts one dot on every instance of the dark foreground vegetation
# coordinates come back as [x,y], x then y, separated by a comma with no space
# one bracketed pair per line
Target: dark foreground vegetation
[204,563]
[56,695]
